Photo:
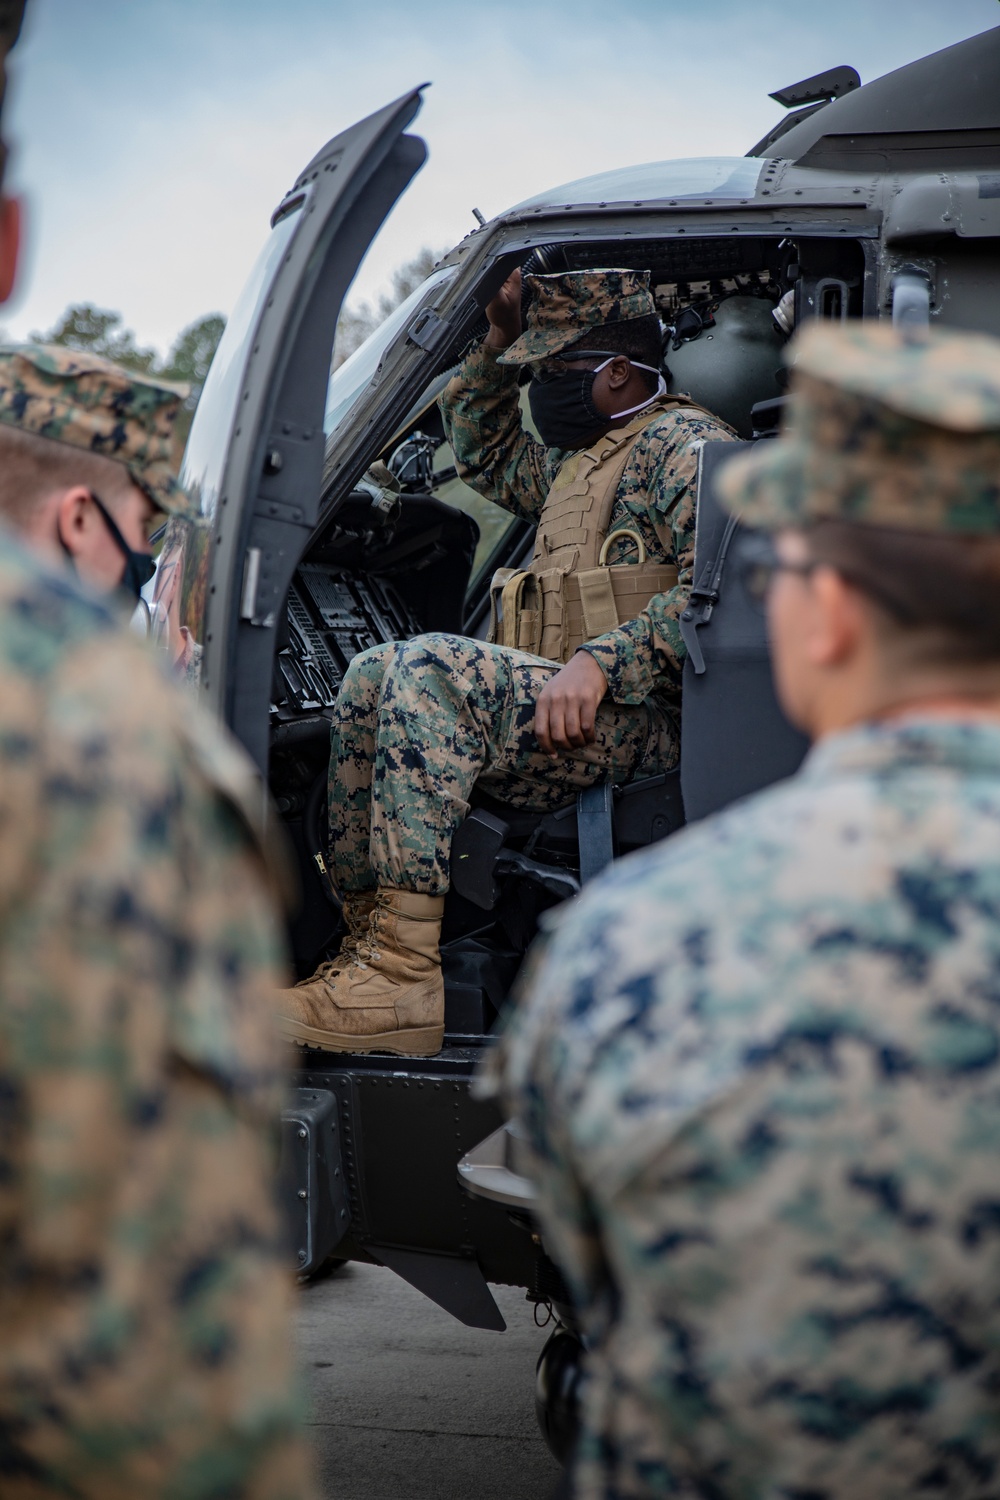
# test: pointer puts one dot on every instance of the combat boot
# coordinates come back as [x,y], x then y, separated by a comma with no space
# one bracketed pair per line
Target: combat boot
[356,912]
[389,997]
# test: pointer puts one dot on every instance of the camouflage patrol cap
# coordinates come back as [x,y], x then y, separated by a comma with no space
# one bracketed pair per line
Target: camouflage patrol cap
[88,402]
[562,307]
[880,431]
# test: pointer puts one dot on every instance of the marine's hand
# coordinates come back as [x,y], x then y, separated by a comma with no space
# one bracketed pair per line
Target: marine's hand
[567,705]
[504,313]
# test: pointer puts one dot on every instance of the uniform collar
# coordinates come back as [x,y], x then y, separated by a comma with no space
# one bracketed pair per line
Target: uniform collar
[971,745]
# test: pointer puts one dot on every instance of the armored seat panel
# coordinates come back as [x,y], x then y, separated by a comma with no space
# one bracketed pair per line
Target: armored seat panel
[735,740]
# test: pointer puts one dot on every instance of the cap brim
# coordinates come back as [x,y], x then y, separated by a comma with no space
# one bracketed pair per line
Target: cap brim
[539,344]
[767,486]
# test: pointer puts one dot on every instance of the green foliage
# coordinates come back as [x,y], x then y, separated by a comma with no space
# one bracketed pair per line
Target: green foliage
[193,351]
[86,327]
[102,332]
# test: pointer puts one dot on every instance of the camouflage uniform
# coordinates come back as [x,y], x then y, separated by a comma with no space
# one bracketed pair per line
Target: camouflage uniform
[759,1066]
[418,723]
[656,494]
[145,1305]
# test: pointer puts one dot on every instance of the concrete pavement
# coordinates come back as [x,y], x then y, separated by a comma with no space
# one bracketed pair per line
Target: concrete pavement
[407,1403]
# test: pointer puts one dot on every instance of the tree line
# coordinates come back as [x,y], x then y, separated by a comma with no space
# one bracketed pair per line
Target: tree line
[101,331]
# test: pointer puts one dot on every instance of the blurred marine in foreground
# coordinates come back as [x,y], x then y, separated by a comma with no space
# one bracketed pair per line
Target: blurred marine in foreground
[145,1345]
[87,460]
[759,1066]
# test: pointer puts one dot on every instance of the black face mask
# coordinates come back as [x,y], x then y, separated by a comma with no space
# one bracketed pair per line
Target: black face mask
[139,566]
[563,409]
[563,405]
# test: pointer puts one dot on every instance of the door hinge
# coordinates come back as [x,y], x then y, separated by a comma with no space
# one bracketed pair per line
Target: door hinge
[428,331]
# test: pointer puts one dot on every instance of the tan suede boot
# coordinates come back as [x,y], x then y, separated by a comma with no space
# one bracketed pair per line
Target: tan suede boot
[389,997]
[356,911]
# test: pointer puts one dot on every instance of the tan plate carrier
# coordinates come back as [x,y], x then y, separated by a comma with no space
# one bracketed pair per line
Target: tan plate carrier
[570,593]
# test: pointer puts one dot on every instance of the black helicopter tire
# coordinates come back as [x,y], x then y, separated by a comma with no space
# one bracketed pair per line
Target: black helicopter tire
[557,1392]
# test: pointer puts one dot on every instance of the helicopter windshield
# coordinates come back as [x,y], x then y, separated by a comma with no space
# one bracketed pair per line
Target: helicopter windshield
[360,370]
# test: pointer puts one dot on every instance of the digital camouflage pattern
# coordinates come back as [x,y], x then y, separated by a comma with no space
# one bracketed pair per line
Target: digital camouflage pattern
[90,403]
[881,430]
[145,1307]
[418,723]
[563,307]
[759,1071]
[656,497]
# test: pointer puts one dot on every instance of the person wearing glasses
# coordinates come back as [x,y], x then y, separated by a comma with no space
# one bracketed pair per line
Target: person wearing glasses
[757,1068]
[579,681]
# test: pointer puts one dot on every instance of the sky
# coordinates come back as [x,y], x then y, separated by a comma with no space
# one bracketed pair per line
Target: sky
[152,138]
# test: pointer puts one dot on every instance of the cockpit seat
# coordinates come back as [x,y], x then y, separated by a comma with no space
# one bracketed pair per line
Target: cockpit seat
[561,851]
[499,854]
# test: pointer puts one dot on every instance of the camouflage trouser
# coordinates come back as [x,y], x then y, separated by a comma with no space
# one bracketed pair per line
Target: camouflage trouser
[419,723]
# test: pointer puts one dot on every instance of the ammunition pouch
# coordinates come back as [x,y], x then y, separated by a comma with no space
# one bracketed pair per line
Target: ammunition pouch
[515,617]
[554,612]
[562,600]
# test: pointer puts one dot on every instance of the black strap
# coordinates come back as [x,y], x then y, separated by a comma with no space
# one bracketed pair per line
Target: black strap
[594,809]
[704,597]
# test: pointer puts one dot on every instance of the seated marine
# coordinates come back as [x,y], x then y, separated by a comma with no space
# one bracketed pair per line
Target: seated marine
[580,681]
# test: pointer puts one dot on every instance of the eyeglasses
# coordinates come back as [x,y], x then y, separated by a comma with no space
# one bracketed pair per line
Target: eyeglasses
[760,561]
[549,369]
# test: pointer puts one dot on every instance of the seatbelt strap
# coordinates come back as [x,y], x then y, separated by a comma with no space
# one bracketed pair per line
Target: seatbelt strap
[594,825]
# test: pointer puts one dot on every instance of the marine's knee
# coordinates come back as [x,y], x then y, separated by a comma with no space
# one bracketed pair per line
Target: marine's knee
[365,672]
[435,654]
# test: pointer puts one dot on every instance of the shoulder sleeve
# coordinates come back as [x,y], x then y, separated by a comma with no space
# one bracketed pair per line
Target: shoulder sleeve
[143,930]
[493,452]
[614,1039]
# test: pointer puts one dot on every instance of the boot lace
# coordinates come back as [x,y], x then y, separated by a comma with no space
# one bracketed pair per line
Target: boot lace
[347,957]
[348,950]
[367,948]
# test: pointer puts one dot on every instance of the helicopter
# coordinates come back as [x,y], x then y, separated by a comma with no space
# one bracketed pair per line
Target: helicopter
[864,201]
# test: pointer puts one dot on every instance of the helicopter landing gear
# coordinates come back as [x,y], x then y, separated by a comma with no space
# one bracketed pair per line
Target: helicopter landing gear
[557,1388]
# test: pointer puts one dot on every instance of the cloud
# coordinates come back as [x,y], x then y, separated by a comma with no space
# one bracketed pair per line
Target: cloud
[155,139]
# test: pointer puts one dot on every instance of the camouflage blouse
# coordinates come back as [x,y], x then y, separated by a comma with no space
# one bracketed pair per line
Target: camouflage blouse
[656,497]
[145,1305]
[759,1068]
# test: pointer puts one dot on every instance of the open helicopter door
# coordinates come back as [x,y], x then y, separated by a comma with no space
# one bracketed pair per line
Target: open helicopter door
[254,460]
[734,737]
